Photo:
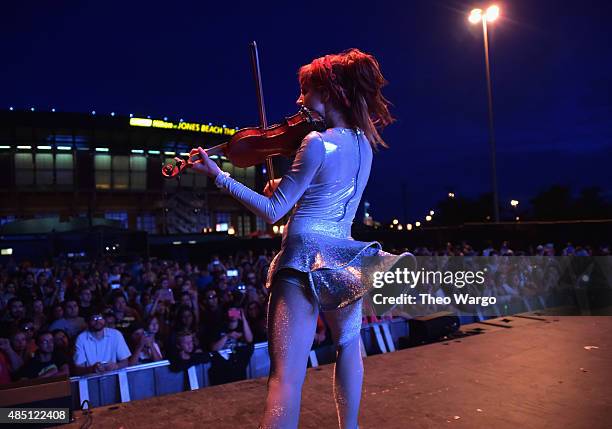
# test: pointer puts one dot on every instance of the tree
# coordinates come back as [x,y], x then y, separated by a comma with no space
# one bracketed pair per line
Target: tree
[458,210]
[591,204]
[554,203]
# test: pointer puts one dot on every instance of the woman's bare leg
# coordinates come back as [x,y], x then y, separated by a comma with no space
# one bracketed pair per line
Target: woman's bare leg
[345,324]
[292,319]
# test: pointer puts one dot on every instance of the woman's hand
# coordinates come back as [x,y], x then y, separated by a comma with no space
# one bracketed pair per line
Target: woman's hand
[271,187]
[204,165]
[148,341]
[235,335]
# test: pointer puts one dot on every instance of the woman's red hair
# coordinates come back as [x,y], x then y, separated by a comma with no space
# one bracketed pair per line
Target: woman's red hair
[354,81]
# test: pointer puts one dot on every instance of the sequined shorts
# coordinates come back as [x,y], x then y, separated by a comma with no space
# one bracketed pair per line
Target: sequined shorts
[298,278]
[328,268]
[329,290]
[348,318]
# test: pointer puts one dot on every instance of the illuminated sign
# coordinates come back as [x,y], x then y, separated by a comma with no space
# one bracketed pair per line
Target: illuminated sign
[186,126]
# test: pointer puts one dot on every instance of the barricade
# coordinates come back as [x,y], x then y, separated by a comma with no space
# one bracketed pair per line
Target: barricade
[136,382]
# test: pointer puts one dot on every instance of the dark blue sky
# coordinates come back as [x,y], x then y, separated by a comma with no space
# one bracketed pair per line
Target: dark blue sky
[551,66]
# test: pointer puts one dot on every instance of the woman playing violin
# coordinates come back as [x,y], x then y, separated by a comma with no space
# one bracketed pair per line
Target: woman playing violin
[318,267]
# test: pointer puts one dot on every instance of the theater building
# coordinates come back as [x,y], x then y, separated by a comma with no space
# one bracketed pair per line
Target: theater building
[66,167]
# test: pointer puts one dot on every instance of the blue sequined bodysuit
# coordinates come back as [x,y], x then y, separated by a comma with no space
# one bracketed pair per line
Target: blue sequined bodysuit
[324,186]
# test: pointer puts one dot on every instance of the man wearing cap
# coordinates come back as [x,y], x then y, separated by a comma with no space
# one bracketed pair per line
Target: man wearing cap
[100,349]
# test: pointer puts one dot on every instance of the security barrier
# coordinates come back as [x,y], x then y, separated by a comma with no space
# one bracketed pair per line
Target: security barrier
[154,379]
[136,382]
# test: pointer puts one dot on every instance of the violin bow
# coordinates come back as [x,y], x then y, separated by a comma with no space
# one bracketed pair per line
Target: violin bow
[260,104]
[175,169]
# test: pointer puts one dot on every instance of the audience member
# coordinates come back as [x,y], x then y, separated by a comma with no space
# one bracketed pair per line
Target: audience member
[143,345]
[100,349]
[232,347]
[45,362]
[186,354]
[222,314]
[71,323]
[10,361]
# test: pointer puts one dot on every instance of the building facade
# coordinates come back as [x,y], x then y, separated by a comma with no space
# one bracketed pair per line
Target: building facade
[75,165]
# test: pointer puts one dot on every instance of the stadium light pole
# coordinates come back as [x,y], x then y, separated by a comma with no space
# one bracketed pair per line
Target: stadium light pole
[490,15]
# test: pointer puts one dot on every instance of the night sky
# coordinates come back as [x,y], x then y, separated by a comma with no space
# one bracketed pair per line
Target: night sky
[551,67]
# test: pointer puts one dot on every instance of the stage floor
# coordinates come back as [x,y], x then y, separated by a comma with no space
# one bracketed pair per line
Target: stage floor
[536,374]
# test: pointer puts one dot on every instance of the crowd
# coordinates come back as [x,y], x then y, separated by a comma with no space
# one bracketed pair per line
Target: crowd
[78,317]
[81,317]
[516,280]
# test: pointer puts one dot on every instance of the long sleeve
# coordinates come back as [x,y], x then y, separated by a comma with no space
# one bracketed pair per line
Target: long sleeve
[308,159]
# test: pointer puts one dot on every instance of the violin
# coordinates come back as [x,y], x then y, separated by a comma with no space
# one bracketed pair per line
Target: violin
[254,145]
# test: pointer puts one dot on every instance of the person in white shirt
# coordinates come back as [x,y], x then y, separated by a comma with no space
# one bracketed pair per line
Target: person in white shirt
[100,349]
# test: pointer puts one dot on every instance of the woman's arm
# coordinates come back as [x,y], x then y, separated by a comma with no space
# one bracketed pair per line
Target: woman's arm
[248,334]
[135,356]
[154,307]
[308,159]
[15,361]
[155,352]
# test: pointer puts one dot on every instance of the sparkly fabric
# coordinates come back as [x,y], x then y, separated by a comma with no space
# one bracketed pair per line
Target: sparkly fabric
[333,265]
[324,187]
